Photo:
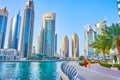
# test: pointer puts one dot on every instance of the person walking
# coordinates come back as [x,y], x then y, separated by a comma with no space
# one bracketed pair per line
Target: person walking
[89,64]
[85,63]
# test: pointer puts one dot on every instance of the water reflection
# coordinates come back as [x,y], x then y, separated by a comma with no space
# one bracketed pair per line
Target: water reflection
[30,70]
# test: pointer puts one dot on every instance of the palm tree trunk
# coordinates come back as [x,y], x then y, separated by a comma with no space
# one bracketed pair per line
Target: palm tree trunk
[118,49]
[104,57]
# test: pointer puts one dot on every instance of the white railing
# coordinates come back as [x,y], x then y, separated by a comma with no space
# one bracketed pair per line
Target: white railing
[69,70]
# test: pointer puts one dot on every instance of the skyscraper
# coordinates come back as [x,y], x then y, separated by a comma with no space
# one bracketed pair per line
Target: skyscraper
[41,43]
[65,47]
[13,40]
[101,25]
[89,38]
[38,44]
[3,25]
[27,29]
[75,46]
[47,35]
[55,43]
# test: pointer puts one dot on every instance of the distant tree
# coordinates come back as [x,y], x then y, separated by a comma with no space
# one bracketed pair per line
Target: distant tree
[81,57]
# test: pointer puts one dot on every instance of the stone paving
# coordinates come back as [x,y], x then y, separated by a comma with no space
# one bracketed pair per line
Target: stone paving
[96,72]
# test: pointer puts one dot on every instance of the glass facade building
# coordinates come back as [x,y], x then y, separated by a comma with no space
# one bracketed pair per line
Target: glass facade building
[27,29]
[38,44]
[47,35]
[100,26]
[89,39]
[3,25]
[13,40]
[90,34]
[41,44]
[55,43]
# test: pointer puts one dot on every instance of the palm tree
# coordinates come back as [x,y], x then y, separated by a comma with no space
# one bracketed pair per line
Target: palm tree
[114,33]
[102,44]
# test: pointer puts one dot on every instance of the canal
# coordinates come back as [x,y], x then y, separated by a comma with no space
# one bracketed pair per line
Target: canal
[30,70]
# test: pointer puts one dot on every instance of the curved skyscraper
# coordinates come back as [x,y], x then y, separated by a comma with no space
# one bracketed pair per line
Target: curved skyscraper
[27,29]
[75,46]
[65,47]
[14,32]
[3,25]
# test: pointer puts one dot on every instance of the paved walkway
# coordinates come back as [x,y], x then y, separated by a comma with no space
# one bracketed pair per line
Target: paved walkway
[97,72]
[84,74]
[107,71]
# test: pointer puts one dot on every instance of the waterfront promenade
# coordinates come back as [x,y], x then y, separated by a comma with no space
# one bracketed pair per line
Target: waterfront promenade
[96,72]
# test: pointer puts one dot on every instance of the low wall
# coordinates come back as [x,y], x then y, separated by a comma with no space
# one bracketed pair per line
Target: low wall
[63,76]
[69,70]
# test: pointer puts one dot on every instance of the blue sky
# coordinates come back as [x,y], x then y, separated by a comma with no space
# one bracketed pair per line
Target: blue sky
[71,16]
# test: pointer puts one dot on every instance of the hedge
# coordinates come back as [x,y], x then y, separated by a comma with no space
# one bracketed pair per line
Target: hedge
[81,64]
[117,65]
[105,65]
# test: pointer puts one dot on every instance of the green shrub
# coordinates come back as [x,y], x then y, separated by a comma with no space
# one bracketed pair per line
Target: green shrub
[105,65]
[81,64]
[117,65]
[81,57]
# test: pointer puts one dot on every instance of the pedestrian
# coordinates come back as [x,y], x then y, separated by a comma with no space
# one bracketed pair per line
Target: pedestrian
[85,63]
[89,64]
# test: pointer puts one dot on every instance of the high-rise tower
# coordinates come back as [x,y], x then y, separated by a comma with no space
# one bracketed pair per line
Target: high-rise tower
[101,25]
[38,44]
[3,25]
[75,46]
[89,39]
[55,43]
[65,47]
[14,32]
[47,35]
[27,29]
